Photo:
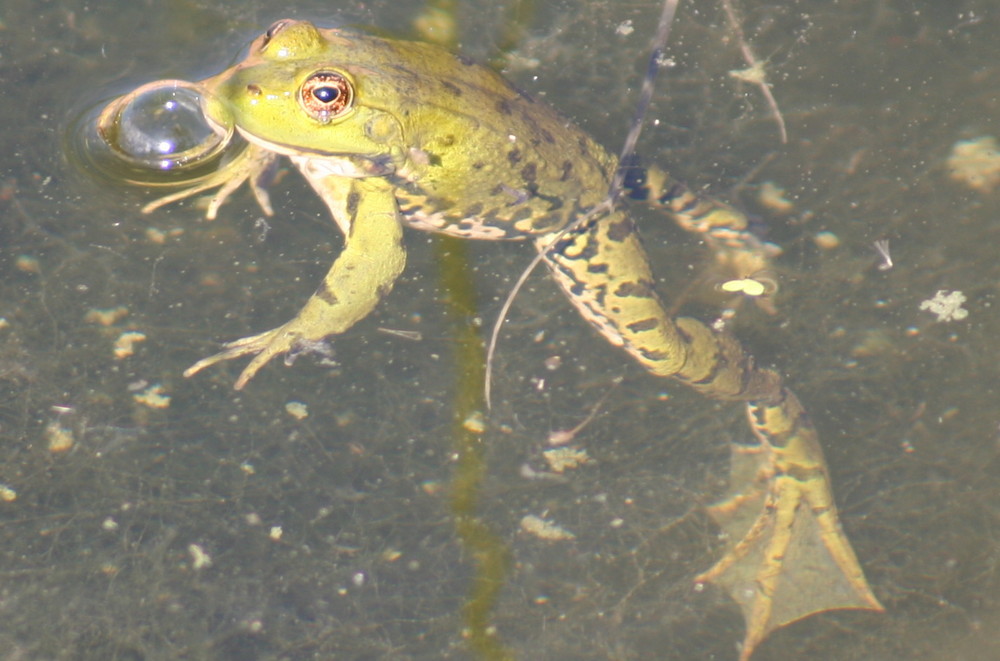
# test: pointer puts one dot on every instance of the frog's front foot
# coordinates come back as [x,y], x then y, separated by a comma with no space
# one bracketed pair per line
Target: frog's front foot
[284,339]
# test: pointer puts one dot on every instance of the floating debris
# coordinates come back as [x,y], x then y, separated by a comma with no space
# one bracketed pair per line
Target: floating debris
[946,305]
[7,494]
[125,344]
[153,397]
[105,317]
[28,264]
[59,438]
[563,458]
[976,163]
[475,423]
[542,529]
[882,248]
[297,410]
[826,240]
[773,197]
[200,559]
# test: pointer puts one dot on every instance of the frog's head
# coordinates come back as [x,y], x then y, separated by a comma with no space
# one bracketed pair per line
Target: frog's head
[306,92]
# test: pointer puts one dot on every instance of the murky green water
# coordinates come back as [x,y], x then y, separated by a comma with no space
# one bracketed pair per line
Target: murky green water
[330,536]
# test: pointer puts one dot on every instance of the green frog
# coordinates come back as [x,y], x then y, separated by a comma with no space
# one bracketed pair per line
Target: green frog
[393,133]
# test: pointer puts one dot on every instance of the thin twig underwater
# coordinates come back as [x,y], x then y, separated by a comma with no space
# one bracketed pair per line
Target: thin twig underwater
[657,47]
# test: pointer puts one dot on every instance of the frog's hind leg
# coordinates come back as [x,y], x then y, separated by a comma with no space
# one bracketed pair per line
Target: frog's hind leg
[788,557]
[738,252]
[787,554]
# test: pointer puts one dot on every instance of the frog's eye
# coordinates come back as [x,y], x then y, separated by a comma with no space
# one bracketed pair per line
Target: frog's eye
[326,95]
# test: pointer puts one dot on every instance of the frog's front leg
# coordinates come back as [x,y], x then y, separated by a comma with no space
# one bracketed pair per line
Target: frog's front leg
[372,259]
[789,557]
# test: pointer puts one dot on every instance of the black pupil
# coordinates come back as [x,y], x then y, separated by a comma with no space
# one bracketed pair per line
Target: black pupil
[326,94]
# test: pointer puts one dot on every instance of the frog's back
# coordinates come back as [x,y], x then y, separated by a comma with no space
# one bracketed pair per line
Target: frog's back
[486,160]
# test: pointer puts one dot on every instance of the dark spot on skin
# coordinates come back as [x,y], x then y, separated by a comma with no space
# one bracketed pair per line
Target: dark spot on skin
[544,223]
[577,289]
[684,335]
[560,246]
[567,168]
[529,173]
[644,325]
[454,89]
[521,214]
[324,294]
[490,218]
[652,355]
[478,165]
[352,203]
[633,289]
[467,61]
[514,156]
[713,373]
[597,268]
[589,252]
[548,137]
[504,107]
[474,210]
[448,141]
[620,231]
[638,193]
[254,90]
[498,189]
[584,149]
[555,202]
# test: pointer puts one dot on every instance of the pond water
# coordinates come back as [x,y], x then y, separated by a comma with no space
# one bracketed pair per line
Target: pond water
[146,516]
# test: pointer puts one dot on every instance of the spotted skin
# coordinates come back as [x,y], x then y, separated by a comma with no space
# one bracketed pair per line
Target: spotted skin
[414,135]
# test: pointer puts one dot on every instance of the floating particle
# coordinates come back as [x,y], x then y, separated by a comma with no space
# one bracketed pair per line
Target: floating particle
[747,286]
[539,527]
[773,197]
[561,459]
[475,423]
[105,317]
[946,305]
[7,494]
[199,558]
[885,259]
[975,163]
[27,264]
[59,438]
[153,397]
[754,74]
[297,410]
[826,240]
[125,344]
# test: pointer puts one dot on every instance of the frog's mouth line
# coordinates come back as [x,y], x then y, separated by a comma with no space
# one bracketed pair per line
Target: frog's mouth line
[283,149]
[316,162]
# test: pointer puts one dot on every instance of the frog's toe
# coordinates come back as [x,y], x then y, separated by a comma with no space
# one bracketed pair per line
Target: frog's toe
[265,345]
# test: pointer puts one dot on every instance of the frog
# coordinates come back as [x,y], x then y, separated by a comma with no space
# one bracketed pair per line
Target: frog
[394,134]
